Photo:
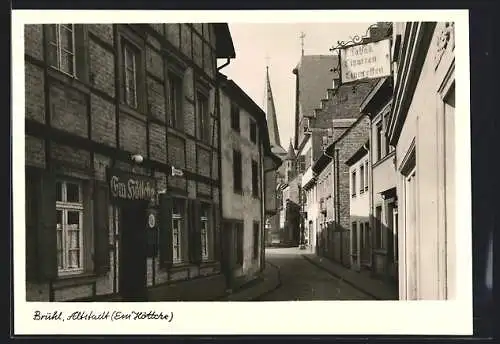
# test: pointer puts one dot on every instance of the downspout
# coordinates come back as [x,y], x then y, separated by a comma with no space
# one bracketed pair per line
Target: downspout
[217,102]
[370,177]
[370,199]
[329,248]
[337,196]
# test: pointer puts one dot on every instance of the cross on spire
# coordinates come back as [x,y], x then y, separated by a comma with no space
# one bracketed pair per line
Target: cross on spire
[267,61]
[302,36]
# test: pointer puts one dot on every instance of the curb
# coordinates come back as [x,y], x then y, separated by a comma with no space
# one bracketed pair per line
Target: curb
[355,286]
[256,297]
[272,289]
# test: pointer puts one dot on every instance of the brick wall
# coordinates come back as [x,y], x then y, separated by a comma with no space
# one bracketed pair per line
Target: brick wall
[347,146]
[88,105]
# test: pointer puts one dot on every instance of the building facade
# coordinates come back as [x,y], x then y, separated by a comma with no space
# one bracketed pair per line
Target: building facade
[421,128]
[359,208]
[383,195]
[246,145]
[122,148]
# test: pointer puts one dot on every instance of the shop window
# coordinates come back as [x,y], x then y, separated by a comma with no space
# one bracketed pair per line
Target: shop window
[177,231]
[204,232]
[69,216]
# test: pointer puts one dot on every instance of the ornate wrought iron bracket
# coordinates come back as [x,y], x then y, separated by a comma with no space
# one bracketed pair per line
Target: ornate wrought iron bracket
[352,41]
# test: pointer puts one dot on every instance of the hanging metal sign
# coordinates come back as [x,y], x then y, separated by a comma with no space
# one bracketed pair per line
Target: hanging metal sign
[365,61]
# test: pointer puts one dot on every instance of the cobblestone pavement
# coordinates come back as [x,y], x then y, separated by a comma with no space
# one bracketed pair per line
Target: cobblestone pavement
[303,281]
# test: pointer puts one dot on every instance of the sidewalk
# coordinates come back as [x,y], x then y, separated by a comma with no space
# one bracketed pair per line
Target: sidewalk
[269,281]
[376,288]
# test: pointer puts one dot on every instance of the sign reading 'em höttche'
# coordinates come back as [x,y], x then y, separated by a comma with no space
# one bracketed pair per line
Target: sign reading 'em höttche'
[127,186]
[366,61]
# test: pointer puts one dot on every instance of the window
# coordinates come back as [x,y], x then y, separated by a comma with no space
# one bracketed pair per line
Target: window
[130,63]
[204,232]
[175,100]
[237,172]
[235,117]
[239,243]
[253,131]
[255,179]
[387,148]
[353,184]
[69,208]
[379,141]
[362,178]
[202,116]
[256,236]
[177,226]
[61,47]
[366,175]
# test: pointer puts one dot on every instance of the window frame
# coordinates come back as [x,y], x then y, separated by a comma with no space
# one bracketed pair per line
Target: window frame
[59,48]
[255,179]
[237,171]
[366,175]
[205,232]
[362,178]
[178,205]
[131,48]
[235,117]
[353,183]
[203,118]
[65,206]
[379,132]
[175,103]
[253,131]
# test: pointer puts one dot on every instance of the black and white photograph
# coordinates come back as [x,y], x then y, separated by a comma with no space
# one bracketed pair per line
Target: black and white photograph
[248,163]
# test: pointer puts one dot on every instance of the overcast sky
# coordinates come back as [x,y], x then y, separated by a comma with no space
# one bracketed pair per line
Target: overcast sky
[281,42]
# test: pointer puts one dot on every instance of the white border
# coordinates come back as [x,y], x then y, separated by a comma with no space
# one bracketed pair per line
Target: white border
[315,317]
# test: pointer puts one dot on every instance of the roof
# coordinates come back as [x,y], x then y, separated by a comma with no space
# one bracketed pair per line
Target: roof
[315,77]
[224,43]
[361,152]
[237,94]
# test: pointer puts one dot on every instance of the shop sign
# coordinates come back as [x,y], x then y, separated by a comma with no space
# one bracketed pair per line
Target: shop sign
[365,61]
[128,186]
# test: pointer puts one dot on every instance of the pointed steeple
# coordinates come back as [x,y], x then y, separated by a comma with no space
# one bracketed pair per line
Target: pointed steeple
[272,122]
[291,152]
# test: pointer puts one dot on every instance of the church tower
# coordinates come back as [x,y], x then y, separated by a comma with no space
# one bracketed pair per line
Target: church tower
[291,170]
[272,121]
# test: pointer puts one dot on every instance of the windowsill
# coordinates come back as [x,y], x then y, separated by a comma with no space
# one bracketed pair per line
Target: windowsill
[381,251]
[208,263]
[74,279]
[238,192]
[237,130]
[131,111]
[68,79]
[179,266]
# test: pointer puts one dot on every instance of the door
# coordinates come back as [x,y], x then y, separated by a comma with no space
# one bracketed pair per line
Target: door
[133,251]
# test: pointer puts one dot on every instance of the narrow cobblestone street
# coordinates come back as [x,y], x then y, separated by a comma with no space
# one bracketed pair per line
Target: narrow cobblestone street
[303,281]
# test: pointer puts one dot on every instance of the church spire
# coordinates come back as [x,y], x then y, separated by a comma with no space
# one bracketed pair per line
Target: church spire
[272,122]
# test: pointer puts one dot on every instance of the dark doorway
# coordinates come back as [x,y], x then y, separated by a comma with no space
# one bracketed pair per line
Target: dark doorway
[133,252]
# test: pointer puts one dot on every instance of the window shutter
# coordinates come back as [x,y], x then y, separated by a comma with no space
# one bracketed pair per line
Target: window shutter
[47,236]
[101,228]
[165,231]
[194,231]
[31,189]
[216,234]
